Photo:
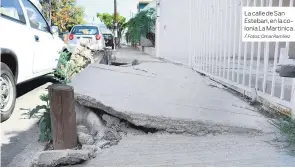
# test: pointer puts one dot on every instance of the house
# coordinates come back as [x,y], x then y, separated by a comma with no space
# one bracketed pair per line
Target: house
[142,4]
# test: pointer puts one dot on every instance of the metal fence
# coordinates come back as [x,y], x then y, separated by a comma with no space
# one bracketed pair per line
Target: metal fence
[206,35]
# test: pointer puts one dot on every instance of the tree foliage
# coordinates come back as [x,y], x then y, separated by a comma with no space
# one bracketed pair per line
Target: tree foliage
[64,13]
[141,25]
[108,20]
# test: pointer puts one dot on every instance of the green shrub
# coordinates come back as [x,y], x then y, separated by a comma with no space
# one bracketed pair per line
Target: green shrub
[63,67]
[287,128]
[44,122]
[143,24]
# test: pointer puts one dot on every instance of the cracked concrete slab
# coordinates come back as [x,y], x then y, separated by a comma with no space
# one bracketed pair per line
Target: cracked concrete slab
[184,150]
[166,97]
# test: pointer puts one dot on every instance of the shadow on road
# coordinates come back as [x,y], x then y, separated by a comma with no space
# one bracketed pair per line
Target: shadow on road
[29,86]
[26,87]
[15,141]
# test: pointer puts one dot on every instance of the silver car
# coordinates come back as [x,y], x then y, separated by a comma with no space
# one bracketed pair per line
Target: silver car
[91,32]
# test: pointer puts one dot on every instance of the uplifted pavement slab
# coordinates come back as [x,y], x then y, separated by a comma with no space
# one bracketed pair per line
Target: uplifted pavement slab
[166,97]
[183,150]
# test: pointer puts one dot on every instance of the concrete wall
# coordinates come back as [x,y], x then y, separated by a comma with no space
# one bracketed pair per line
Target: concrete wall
[174,33]
[187,26]
[150,51]
[145,42]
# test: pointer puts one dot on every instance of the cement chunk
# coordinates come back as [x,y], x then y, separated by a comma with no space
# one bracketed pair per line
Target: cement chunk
[92,150]
[60,157]
[111,135]
[82,128]
[103,144]
[86,116]
[85,138]
[111,121]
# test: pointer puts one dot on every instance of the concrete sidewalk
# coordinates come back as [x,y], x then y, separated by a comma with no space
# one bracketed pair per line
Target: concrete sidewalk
[217,128]
[161,95]
[183,150]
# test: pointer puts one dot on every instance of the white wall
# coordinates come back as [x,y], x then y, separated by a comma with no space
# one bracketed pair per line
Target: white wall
[174,25]
[188,26]
[150,51]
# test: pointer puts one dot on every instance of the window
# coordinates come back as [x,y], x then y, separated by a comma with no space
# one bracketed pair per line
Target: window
[108,36]
[11,9]
[35,17]
[85,30]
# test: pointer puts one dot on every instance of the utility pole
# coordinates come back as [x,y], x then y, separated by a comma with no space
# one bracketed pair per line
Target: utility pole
[115,23]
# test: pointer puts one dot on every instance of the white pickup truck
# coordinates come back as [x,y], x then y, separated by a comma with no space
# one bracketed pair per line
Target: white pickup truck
[29,48]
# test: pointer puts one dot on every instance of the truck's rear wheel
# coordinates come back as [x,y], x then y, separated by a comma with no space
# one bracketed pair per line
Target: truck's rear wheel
[7,92]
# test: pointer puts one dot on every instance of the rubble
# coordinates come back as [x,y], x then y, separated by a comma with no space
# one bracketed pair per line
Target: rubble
[111,135]
[97,131]
[132,131]
[54,158]
[103,144]
[85,138]
[88,118]
[92,149]
[90,127]
[82,128]
[111,122]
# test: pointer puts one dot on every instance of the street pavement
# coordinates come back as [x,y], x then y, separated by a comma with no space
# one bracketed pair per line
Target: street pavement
[19,131]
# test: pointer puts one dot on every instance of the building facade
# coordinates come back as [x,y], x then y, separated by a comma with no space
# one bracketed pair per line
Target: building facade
[142,4]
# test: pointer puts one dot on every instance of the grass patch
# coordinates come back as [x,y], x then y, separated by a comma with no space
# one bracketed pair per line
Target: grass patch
[287,127]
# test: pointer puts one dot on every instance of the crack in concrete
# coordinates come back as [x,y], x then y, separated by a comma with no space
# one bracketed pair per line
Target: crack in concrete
[138,69]
[170,125]
[122,72]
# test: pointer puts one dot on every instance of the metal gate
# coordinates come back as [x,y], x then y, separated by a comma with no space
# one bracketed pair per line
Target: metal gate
[206,36]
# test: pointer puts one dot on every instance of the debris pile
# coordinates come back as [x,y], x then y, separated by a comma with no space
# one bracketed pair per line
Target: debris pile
[96,131]
[82,55]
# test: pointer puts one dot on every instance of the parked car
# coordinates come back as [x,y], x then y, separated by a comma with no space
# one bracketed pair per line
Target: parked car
[87,31]
[64,36]
[29,49]
[109,40]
